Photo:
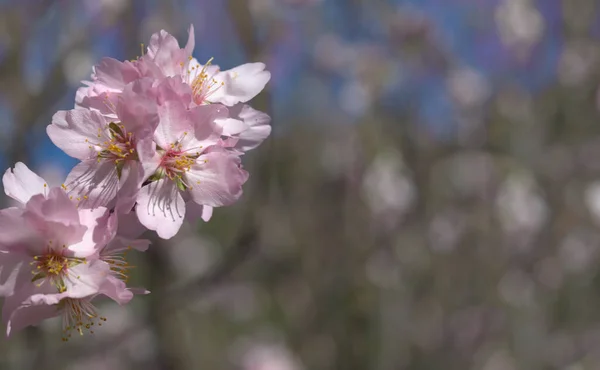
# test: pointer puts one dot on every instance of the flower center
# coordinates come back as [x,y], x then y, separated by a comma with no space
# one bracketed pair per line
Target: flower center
[176,161]
[118,146]
[204,84]
[53,266]
[174,164]
[78,315]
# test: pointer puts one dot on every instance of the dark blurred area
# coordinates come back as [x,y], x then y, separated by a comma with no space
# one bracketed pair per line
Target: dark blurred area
[429,197]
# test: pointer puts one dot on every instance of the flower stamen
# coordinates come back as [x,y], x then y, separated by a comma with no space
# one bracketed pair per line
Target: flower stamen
[118,264]
[53,266]
[78,315]
[204,85]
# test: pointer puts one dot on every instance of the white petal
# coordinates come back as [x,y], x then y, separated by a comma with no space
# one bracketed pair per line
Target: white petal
[191,43]
[231,126]
[22,183]
[101,228]
[92,183]
[161,208]
[76,130]
[258,124]
[86,279]
[240,84]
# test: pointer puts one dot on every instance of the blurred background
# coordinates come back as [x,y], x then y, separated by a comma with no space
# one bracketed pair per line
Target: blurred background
[429,197]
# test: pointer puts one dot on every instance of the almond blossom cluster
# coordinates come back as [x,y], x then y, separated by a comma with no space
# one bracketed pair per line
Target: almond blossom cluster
[159,140]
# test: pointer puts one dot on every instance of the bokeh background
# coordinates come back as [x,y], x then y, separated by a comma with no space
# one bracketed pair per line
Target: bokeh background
[429,198]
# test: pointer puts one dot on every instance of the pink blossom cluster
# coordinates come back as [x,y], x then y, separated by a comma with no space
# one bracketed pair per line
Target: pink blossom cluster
[160,140]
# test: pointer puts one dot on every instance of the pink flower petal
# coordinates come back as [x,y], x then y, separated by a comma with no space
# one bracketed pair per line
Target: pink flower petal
[56,217]
[92,183]
[115,74]
[258,126]
[241,83]
[19,311]
[28,315]
[75,131]
[11,272]
[116,290]
[204,118]
[16,233]
[173,125]
[130,183]
[21,183]
[86,279]
[173,89]
[136,108]
[161,208]
[218,181]
[191,42]
[165,52]
[148,156]
[101,229]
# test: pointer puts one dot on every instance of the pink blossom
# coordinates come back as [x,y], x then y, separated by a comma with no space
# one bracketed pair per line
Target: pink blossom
[208,83]
[110,151]
[35,302]
[55,257]
[43,250]
[188,163]
[162,121]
